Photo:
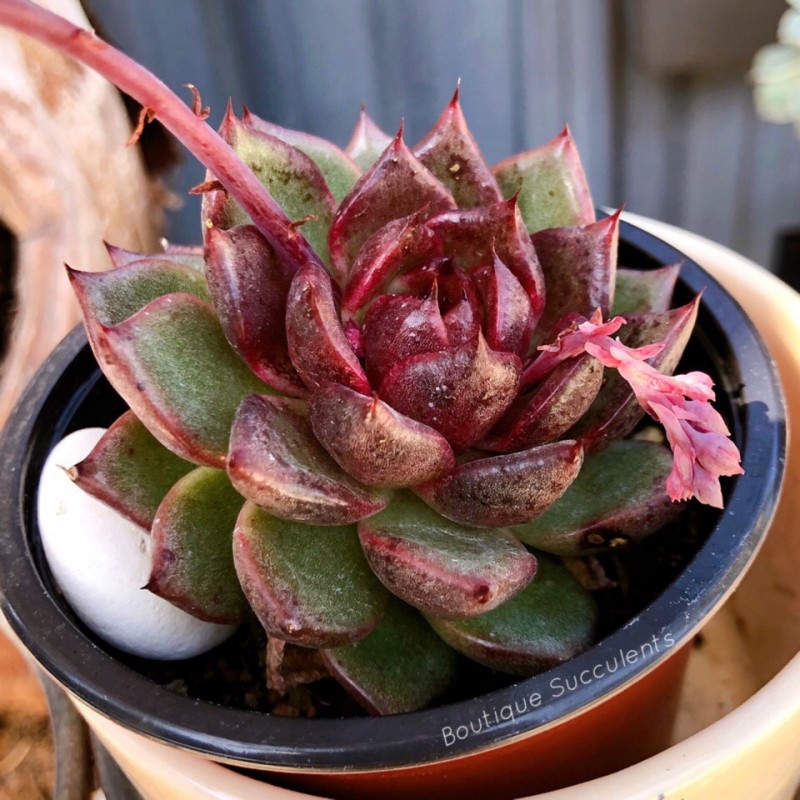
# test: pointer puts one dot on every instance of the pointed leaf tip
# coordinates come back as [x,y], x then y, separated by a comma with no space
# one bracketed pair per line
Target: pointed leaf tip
[130,470]
[451,153]
[396,186]
[146,359]
[552,186]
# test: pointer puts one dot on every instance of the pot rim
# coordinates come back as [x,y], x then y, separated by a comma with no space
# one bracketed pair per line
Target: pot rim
[114,689]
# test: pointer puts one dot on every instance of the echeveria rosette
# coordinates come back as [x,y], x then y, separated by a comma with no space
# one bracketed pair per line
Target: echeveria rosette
[389,411]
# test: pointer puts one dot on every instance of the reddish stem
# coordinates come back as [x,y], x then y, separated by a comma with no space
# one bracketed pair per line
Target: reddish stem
[195,134]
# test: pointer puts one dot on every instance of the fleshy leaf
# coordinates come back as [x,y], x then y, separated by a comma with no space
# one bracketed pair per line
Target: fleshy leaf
[396,186]
[460,392]
[398,327]
[289,175]
[192,539]
[308,585]
[367,141]
[439,566]
[550,409]
[109,298]
[550,621]
[338,169]
[508,323]
[579,265]
[640,291]
[461,304]
[173,366]
[318,346]
[130,470]
[248,284]
[473,236]
[550,183]
[505,490]
[187,255]
[276,462]
[615,412]
[373,442]
[400,246]
[618,497]
[452,155]
[401,666]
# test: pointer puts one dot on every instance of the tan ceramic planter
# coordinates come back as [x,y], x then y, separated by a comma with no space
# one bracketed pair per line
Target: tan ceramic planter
[744,683]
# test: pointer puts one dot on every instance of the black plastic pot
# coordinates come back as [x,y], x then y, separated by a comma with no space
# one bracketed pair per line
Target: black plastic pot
[69,392]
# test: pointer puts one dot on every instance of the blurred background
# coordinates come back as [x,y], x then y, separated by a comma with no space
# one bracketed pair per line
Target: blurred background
[655,91]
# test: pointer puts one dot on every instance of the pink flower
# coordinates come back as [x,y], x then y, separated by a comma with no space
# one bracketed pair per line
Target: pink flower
[696,432]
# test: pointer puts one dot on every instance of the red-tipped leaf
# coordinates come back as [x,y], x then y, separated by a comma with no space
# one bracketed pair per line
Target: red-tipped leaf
[441,567]
[619,497]
[130,470]
[550,409]
[367,141]
[398,326]
[319,349]
[550,183]
[453,156]
[579,265]
[373,442]
[508,320]
[473,236]
[276,462]
[505,490]
[309,586]
[395,186]
[192,534]
[173,366]
[289,175]
[248,285]
[339,170]
[400,246]
[460,392]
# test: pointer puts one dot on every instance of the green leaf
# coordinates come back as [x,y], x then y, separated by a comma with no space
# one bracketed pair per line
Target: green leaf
[308,585]
[192,548]
[619,496]
[440,566]
[109,298]
[549,622]
[173,366]
[289,175]
[641,291]
[130,470]
[552,187]
[339,170]
[401,666]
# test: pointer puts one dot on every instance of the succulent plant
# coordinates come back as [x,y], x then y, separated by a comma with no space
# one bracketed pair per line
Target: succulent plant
[383,400]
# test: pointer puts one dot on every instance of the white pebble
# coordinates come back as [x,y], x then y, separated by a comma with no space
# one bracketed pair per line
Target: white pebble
[100,561]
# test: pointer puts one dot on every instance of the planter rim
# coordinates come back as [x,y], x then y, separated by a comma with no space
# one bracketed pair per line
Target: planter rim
[93,675]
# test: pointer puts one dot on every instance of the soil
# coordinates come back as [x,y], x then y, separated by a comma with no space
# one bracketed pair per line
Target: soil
[26,743]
